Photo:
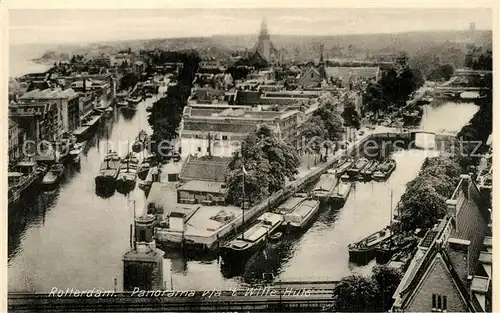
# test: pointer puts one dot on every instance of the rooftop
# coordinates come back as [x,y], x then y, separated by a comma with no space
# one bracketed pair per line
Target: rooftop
[212,169]
[57,93]
[457,241]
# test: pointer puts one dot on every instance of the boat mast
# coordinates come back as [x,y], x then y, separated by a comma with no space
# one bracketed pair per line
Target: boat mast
[390,223]
[107,147]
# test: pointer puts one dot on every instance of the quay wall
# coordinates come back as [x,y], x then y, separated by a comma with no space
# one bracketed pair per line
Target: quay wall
[236,226]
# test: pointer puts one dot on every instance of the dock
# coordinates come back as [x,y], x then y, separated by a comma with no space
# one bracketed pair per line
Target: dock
[202,232]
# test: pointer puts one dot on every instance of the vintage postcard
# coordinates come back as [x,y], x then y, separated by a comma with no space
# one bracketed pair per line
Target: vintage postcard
[248,158]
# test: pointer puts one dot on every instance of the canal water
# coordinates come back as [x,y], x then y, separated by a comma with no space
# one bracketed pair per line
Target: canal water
[72,238]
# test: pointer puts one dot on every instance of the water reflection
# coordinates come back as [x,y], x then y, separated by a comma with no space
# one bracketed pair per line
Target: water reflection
[73,237]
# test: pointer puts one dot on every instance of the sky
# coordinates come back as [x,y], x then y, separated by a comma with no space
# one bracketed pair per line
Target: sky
[74,26]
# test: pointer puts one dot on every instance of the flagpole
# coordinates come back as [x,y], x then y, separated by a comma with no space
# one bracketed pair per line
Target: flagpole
[243,204]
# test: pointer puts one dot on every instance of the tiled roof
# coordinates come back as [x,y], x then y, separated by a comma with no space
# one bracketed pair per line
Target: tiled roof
[429,238]
[212,169]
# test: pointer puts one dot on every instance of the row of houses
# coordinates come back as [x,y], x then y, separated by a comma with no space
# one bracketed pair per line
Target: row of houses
[53,109]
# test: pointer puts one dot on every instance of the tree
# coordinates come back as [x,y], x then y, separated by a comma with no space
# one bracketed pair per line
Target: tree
[356,294]
[351,116]
[238,72]
[313,132]
[421,207]
[268,162]
[282,158]
[256,180]
[388,280]
[129,80]
[331,122]
[441,72]
[164,117]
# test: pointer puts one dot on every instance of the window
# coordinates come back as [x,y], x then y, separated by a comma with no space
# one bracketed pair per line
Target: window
[199,149]
[224,137]
[439,303]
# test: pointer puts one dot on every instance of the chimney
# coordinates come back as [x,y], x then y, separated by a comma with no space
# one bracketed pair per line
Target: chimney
[451,205]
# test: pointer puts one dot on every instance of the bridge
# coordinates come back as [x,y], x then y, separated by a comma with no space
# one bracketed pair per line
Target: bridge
[278,297]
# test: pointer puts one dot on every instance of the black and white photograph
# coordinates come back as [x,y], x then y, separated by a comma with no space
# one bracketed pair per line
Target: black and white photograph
[249,159]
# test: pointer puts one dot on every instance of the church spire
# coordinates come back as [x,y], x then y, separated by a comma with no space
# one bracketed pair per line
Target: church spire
[263,28]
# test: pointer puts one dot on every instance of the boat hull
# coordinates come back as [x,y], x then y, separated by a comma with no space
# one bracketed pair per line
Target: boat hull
[362,256]
[341,199]
[143,173]
[322,197]
[105,181]
[240,257]
[125,185]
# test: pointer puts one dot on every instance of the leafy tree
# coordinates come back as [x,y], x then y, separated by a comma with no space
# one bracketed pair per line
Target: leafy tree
[238,72]
[351,116]
[331,122]
[441,166]
[441,72]
[256,180]
[129,80]
[314,131]
[388,280]
[164,117]
[356,294]
[421,206]
[476,59]
[282,158]
[268,162]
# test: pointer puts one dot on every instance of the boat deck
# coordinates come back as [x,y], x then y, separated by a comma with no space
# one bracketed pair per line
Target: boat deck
[304,208]
[290,205]
[326,182]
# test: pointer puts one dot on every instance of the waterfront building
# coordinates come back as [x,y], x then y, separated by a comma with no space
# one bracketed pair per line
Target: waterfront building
[452,268]
[66,102]
[219,132]
[16,139]
[203,180]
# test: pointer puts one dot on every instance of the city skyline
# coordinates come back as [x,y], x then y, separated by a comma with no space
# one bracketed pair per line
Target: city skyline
[82,26]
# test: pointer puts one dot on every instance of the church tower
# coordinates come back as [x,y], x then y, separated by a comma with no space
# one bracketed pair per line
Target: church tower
[264,45]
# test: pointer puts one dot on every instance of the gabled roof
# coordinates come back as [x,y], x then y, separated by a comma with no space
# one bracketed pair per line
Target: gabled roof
[457,241]
[310,69]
